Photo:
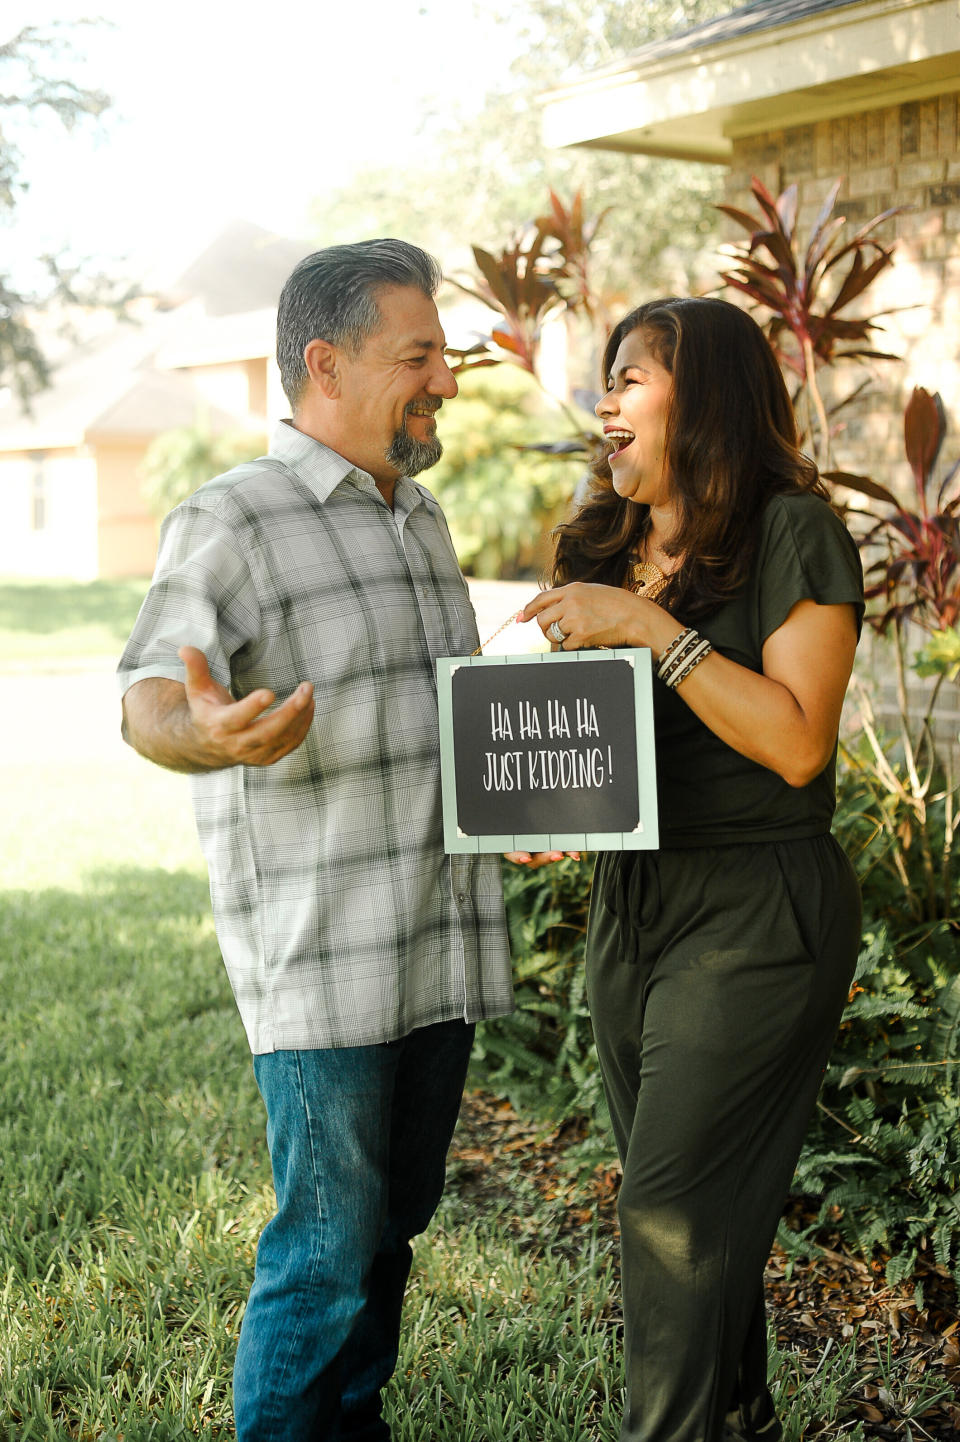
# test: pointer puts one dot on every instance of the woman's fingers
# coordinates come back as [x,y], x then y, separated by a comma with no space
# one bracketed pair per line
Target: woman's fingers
[547,609]
[535,859]
[532,609]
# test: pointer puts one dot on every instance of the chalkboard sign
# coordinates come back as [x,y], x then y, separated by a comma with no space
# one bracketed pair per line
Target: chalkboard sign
[548,752]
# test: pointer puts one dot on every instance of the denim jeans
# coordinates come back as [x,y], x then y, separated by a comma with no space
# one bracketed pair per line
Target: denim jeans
[358,1138]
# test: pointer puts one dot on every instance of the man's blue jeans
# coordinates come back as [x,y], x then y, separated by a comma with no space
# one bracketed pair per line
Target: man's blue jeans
[358,1138]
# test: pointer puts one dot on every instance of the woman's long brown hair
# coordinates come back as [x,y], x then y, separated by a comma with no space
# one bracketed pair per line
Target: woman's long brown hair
[731,444]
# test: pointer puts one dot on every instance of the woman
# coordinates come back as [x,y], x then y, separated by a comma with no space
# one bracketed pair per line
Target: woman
[717,966]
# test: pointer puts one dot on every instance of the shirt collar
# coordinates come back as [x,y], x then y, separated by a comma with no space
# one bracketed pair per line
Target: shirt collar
[323,469]
[314,463]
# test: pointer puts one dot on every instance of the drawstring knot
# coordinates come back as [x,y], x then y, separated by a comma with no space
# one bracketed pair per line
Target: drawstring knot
[632,894]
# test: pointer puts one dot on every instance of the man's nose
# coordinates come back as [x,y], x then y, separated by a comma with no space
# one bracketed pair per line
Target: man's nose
[443,382]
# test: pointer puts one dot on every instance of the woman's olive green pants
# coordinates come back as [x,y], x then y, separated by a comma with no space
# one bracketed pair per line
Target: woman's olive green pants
[716,977]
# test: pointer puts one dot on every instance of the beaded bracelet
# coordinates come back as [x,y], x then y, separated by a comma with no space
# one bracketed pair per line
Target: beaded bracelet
[682,656]
[669,651]
[682,667]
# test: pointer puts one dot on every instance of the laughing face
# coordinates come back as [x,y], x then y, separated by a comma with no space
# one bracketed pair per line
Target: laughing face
[634,414]
[408,454]
[390,392]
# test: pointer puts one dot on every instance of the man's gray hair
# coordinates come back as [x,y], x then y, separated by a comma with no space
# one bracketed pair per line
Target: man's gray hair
[332,296]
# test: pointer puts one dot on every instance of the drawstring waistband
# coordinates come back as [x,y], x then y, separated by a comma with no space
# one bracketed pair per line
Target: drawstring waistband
[631,893]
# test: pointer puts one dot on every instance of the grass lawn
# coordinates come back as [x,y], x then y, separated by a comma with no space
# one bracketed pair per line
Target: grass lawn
[134,1169]
[43,621]
[133,1166]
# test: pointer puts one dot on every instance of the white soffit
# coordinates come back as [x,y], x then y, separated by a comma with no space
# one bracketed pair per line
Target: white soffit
[692,106]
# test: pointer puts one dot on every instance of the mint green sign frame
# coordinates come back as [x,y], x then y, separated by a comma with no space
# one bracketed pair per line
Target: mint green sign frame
[645,836]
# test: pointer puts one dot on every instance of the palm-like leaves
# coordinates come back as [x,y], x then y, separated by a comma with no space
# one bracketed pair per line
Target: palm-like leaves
[919,577]
[585,446]
[803,289]
[574,235]
[792,287]
[519,286]
[544,270]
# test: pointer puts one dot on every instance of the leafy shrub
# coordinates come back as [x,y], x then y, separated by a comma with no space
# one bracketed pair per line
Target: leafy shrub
[883,1150]
[499,501]
[178,461]
[542,1057]
[909,781]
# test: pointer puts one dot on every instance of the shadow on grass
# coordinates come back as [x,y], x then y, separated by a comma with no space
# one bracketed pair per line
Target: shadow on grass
[45,607]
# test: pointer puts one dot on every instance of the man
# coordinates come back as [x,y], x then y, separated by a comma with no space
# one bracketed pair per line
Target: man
[323,579]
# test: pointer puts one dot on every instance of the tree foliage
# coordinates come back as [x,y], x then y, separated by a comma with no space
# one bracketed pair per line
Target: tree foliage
[35,80]
[482,168]
[178,461]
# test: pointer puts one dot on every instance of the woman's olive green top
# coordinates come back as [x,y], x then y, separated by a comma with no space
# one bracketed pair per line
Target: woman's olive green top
[708,794]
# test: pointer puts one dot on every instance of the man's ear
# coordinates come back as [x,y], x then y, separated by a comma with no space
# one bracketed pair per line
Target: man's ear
[323,368]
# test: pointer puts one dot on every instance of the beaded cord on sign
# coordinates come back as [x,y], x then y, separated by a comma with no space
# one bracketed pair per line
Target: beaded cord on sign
[645,578]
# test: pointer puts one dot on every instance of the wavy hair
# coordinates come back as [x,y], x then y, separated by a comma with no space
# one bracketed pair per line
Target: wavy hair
[731,443]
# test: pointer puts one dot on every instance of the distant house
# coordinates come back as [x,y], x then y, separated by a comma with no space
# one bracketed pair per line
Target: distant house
[71,502]
[808,91]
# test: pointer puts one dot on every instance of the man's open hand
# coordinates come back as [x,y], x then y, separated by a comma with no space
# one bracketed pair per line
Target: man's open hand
[237,733]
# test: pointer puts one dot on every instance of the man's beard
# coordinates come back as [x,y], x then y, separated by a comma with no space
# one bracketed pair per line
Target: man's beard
[409,456]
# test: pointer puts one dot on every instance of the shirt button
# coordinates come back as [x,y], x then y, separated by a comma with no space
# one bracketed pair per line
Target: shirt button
[461,896]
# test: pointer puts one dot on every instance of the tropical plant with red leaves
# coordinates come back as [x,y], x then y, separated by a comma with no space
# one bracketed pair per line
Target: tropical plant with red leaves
[574,234]
[916,579]
[805,291]
[544,271]
[520,284]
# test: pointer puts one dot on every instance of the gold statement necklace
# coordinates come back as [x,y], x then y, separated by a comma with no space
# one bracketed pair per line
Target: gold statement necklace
[645,578]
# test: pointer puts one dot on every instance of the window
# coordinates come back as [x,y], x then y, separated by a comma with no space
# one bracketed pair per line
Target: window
[39,495]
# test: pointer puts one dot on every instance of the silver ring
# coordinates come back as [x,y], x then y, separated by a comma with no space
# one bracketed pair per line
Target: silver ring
[555,634]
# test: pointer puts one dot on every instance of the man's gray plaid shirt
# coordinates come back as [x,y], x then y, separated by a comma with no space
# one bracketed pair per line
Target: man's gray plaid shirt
[341,920]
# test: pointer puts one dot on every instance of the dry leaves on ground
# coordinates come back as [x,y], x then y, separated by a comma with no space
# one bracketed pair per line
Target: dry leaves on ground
[524,1171]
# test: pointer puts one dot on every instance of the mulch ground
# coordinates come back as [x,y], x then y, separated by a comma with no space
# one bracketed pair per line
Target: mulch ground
[815,1303]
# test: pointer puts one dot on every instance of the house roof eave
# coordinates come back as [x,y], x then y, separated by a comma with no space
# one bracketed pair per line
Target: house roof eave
[694,103]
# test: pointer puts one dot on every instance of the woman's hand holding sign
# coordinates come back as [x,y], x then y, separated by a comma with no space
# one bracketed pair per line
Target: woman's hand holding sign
[590,615]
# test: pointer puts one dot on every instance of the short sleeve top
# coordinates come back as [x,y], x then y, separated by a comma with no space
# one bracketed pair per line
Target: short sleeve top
[708,793]
[341,920]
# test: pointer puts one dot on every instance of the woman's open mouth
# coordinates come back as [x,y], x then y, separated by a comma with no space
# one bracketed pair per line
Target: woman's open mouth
[618,441]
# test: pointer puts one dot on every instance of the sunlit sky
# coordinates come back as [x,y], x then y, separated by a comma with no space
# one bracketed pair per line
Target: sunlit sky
[224,111]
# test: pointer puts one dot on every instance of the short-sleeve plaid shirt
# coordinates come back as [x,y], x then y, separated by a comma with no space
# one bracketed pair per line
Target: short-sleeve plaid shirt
[341,920]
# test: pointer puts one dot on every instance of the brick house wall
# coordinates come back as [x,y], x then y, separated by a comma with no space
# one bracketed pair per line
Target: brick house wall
[901,155]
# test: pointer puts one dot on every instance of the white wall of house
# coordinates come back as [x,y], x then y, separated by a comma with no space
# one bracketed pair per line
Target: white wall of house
[278,407]
[48,501]
[226,386]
